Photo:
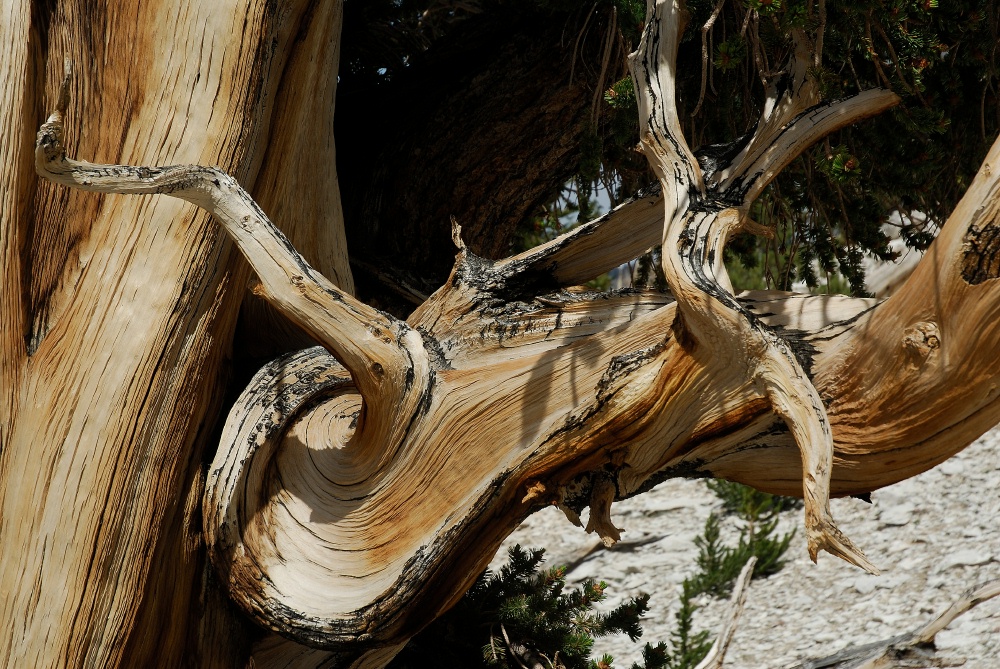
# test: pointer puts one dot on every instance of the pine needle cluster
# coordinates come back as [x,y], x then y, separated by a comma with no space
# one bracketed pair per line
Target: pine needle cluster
[524,615]
[757,514]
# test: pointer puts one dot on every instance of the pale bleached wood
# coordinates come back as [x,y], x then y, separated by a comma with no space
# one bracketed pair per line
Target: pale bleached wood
[385,356]
[698,223]
[17,89]
[556,398]
[310,210]
[758,168]
[590,249]
[635,226]
[717,653]
[548,383]
[914,649]
[126,308]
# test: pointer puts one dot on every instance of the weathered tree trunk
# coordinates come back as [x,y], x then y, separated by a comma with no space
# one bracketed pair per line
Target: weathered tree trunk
[118,312]
[358,488]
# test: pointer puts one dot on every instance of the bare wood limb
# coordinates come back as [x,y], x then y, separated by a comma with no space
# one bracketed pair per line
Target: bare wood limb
[697,225]
[653,67]
[635,226]
[794,118]
[379,350]
[914,649]
[539,402]
[717,654]
[589,250]
[751,172]
[523,654]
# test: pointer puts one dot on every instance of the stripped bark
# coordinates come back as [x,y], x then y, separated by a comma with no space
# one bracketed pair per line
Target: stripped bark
[702,210]
[359,487]
[118,311]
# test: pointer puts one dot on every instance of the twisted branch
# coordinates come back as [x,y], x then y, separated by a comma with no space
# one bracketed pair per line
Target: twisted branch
[699,217]
[384,355]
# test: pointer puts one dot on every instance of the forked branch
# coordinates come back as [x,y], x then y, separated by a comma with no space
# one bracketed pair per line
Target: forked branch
[758,165]
[698,220]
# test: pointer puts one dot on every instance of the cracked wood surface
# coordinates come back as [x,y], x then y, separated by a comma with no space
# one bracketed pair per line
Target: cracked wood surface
[347,509]
[561,387]
[118,311]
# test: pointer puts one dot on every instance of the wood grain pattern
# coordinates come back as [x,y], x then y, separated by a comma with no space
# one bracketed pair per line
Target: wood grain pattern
[114,342]
[359,488]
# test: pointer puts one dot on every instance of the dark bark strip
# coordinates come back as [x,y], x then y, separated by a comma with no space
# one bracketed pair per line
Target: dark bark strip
[981,261]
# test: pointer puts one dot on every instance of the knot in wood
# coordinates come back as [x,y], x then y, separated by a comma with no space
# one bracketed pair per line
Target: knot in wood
[922,338]
[379,333]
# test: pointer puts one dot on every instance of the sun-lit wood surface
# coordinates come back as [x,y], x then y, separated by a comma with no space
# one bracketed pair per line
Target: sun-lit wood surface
[359,487]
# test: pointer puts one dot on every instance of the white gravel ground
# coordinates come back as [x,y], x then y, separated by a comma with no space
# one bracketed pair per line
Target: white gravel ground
[932,536]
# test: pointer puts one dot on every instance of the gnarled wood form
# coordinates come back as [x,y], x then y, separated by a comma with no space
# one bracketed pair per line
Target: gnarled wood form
[701,213]
[359,487]
[117,312]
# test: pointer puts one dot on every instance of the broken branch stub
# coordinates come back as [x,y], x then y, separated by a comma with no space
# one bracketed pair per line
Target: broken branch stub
[698,220]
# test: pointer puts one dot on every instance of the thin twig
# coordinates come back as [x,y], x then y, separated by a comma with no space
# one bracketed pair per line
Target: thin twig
[818,53]
[605,60]
[896,64]
[576,44]
[705,29]
[870,41]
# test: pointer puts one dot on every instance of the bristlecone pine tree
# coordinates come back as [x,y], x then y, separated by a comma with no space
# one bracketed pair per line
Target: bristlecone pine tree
[357,488]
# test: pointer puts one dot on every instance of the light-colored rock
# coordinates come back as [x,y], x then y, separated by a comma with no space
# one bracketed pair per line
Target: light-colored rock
[896,515]
[949,542]
[966,558]
[952,467]
[865,585]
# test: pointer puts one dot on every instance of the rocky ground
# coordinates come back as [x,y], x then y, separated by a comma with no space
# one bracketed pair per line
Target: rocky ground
[933,537]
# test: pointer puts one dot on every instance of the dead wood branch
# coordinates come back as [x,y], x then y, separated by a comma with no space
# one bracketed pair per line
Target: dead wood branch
[717,654]
[912,650]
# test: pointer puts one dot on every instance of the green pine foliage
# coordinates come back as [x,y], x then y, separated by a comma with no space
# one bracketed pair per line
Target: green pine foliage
[529,609]
[757,515]
[829,208]
[688,646]
[523,606]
